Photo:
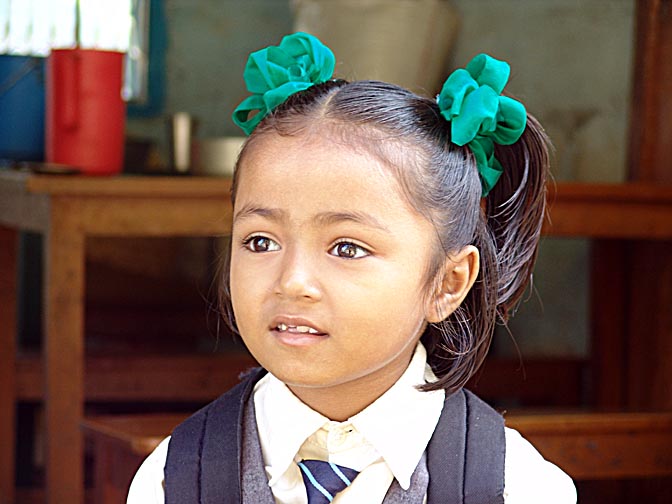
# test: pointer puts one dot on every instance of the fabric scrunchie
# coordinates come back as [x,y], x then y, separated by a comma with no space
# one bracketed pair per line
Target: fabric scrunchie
[479,117]
[275,73]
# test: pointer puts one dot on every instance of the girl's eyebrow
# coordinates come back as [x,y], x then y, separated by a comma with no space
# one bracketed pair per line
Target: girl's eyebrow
[326,218]
[274,214]
[323,218]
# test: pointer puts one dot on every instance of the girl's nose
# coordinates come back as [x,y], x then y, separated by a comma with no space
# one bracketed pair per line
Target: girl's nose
[298,279]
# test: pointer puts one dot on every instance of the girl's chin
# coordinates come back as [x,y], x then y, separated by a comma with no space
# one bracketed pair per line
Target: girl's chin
[300,376]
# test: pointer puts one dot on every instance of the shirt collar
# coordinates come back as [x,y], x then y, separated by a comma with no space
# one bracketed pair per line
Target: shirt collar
[285,425]
[399,424]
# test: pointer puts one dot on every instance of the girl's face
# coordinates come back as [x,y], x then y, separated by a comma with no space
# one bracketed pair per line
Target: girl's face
[328,268]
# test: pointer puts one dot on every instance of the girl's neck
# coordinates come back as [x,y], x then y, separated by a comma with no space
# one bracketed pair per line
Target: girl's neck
[343,401]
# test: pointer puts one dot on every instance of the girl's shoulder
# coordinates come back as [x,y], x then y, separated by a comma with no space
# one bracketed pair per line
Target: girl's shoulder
[147,484]
[529,478]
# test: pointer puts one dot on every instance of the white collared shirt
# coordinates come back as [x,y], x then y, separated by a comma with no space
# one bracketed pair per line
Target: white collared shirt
[384,441]
[290,431]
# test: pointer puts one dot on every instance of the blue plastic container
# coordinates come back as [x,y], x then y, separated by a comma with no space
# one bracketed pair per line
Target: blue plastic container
[21,108]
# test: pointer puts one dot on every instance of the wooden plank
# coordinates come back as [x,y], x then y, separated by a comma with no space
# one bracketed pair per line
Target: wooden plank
[602,445]
[160,378]
[587,422]
[8,325]
[185,216]
[63,354]
[120,445]
[610,211]
[131,186]
[610,219]
[623,193]
[139,433]
[122,185]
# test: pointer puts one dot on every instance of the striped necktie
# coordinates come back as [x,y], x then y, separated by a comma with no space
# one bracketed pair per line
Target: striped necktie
[324,480]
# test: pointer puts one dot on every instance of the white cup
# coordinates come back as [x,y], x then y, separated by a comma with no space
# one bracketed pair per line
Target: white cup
[181,128]
[218,156]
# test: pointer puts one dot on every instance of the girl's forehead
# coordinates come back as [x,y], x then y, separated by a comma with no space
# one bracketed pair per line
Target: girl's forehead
[297,157]
[373,148]
[317,171]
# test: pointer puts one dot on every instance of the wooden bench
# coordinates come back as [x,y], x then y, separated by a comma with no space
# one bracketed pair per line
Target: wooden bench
[588,446]
[592,446]
[120,444]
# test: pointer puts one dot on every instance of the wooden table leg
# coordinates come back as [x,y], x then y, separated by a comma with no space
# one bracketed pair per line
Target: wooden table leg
[64,354]
[8,273]
[609,313]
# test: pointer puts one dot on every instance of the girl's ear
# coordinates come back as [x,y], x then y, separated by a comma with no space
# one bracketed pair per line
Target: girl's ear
[459,275]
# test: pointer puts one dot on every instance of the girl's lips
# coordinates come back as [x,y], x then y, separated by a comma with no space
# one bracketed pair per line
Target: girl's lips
[298,339]
[301,329]
[296,331]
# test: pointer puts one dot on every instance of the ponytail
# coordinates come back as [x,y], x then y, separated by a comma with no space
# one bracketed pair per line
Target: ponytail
[514,212]
[507,236]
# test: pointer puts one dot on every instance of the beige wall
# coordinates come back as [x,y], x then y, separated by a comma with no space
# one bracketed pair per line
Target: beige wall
[571,64]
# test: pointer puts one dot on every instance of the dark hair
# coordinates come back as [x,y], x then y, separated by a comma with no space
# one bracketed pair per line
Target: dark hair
[441,182]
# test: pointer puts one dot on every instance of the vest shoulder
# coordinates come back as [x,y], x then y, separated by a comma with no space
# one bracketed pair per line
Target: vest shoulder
[473,401]
[230,400]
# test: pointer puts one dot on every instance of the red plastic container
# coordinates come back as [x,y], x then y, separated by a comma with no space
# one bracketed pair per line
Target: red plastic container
[85,113]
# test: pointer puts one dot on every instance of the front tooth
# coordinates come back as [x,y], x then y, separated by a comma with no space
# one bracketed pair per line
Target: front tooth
[303,329]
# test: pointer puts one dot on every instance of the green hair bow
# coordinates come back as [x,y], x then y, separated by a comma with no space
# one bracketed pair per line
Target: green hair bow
[479,117]
[277,72]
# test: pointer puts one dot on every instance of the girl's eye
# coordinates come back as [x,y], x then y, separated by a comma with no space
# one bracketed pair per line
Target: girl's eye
[348,250]
[260,244]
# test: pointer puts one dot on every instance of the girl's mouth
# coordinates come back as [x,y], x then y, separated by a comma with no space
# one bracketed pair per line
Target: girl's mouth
[300,329]
[297,332]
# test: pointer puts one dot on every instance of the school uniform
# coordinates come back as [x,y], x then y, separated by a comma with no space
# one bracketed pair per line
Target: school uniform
[408,446]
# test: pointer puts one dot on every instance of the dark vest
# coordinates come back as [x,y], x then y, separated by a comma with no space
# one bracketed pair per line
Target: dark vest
[465,457]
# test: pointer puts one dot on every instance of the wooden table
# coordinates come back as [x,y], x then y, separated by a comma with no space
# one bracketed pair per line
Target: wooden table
[69,209]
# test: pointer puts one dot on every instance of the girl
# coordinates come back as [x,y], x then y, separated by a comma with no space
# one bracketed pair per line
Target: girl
[377,238]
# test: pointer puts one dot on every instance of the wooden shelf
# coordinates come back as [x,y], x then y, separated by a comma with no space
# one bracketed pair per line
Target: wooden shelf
[126,378]
[619,211]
